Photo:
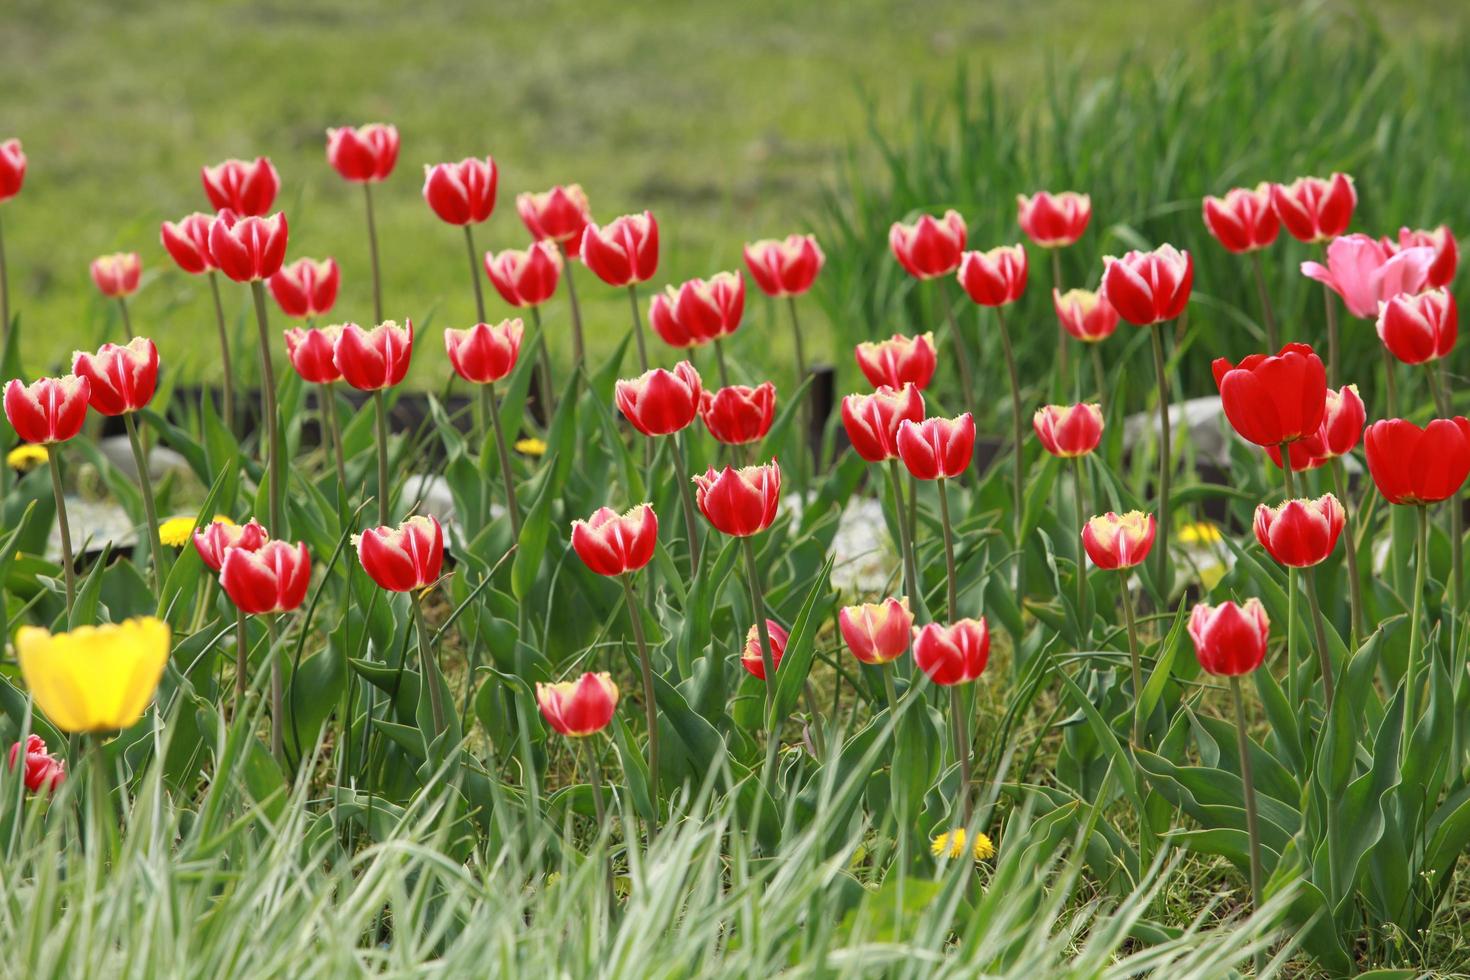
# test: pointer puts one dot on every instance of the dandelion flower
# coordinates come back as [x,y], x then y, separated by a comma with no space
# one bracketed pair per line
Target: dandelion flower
[951,844]
[1200,532]
[177,531]
[531,447]
[26,457]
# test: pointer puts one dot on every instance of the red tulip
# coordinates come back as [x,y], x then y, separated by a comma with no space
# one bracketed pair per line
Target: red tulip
[897,361]
[1313,209]
[929,247]
[1230,640]
[484,354]
[954,654]
[1342,426]
[312,352]
[750,654]
[877,632]
[1069,431]
[247,249]
[996,277]
[123,379]
[578,708]
[217,537]
[1243,220]
[246,188]
[403,558]
[306,287]
[1446,251]
[1271,399]
[1053,220]
[376,358]
[740,502]
[271,579]
[49,410]
[1365,274]
[12,168]
[525,277]
[784,267]
[661,402]
[43,772]
[1086,315]
[363,154]
[872,421]
[1419,327]
[116,275]
[1149,287]
[1119,540]
[462,193]
[1302,532]
[699,311]
[559,215]
[739,414]
[614,544]
[624,252]
[188,242]
[1411,465]
[937,448]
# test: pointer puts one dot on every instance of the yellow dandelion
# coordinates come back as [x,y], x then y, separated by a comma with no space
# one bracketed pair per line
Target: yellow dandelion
[951,844]
[531,446]
[26,457]
[1200,532]
[176,531]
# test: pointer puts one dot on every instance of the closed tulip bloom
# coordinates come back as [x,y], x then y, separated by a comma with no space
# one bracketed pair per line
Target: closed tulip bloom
[954,654]
[660,402]
[1342,426]
[1149,287]
[1243,220]
[1119,540]
[872,421]
[624,252]
[247,249]
[996,277]
[1300,533]
[462,193]
[42,772]
[559,215]
[376,358]
[1053,220]
[363,153]
[1365,273]
[217,537]
[610,543]
[485,353]
[739,414]
[581,707]
[1230,640]
[312,352]
[877,632]
[898,361]
[699,310]
[94,678]
[12,168]
[1069,431]
[1419,327]
[403,558]
[187,242]
[929,247]
[122,378]
[750,654]
[937,448]
[1274,398]
[117,275]
[524,277]
[306,287]
[740,502]
[49,410]
[1411,465]
[1084,314]
[271,579]
[1446,251]
[245,187]
[784,267]
[1313,209]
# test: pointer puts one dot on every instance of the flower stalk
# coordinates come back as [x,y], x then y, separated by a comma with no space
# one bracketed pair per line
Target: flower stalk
[224,352]
[645,668]
[150,509]
[1251,819]
[53,459]
[275,461]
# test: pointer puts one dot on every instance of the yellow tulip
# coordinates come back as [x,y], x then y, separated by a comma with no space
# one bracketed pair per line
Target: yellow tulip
[95,678]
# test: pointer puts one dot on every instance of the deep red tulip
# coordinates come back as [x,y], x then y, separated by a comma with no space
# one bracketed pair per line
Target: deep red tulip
[1342,426]
[581,707]
[462,193]
[661,402]
[559,215]
[1053,220]
[1271,399]
[525,277]
[1149,287]
[12,168]
[1446,251]
[246,249]
[1411,465]
[897,361]
[123,379]
[1243,220]
[784,267]
[877,632]
[750,654]
[376,358]
[872,421]
[116,275]
[1086,315]
[363,153]
[740,502]
[485,353]
[245,187]
[403,558]
[954,654]
[1313,209]
[610,543]
[1301,532]
[43,772]
[1069,431]
[187,241]
[699,310]
[1230,640]
[1365,273]
[217,537]
[306,287]
[739,414]
[1419,327]
[929,247]
[937,448]
[1119,540]
[624,252]
[271,579]
[996,277]
[49,410]
[312,351]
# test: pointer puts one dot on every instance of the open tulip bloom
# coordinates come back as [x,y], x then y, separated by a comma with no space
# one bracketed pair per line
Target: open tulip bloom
[897,361]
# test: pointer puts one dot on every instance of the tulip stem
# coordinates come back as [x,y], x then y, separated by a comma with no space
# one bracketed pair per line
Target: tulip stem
[720,364]
[4,294]
[819,739]
[1324,658]
[578,349]
[1084,622]
[905,546]
[547,395]
[100,798]
[381,406]
[1251,821]
[645,667]
[372,226]
[594,777]
[1166,468]
[1273,339]
[1098,375]
[1355,586]
[1018,480]
[638,327]
[268,409]
[278,697]
[1134,659]
[1390,381]
[145,482]
[1330,303]
[492,408]
[1457,520]
[1416,655]
[127,321]
[242,661]
[961,750]
[224,352]
[469,242]
[430,667]
[53,457]
[1064,365]
[804,420]
[889,687]
[952,604]
[329,414]
[686,496]
[768,662]
[962,356]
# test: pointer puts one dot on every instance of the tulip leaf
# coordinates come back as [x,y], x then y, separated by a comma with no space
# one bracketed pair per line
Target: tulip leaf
[791,675]
[532,544]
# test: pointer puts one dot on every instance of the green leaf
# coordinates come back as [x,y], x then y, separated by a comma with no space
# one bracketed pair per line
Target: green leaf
[791,675]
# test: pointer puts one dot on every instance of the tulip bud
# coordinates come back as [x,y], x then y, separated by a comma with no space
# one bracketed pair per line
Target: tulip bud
[363,154]
[12,169]
[117,275]
[937,448]
[1069,431]
[1446,252]
[559,215]
[872,421]
[1273,398]
[122,379]
[954,654]
[247,249]
[750,654]
[524,277]
[484,353]
[660,402]
[271,579]
[784,267]
[1419,327]
[462,193]
[43,772]
[897,361]
[405,558]
[877,632]
[1149,287]
[996,277]
[217,537]
[624,252]
[738,414]
[1342,426]
[1119,541]
[578,708]
[312,353]
[1230,640]
[49,410]
[1300,533]
[1411,465]
[1366,274]
[1313,209]
[306,287]
[188,242]
[930,247]
[613,544]
[1243,220]
[374,359]
[246,188]
[740,502]
[1084,314]
[1053,220]
[699,311]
